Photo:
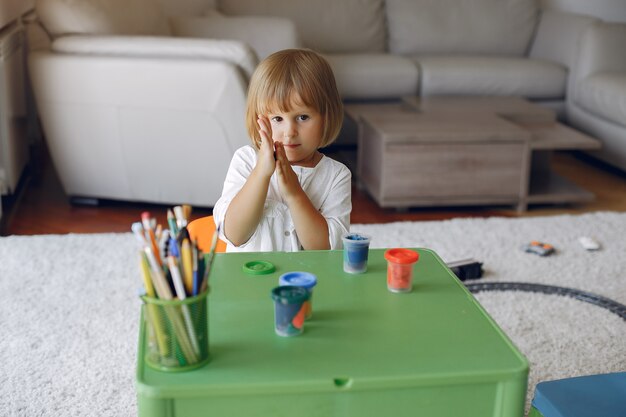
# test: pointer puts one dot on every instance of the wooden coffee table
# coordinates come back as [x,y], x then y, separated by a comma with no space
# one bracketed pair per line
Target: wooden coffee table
[448,151]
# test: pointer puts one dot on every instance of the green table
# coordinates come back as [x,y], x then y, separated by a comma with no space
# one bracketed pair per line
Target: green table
[366,351]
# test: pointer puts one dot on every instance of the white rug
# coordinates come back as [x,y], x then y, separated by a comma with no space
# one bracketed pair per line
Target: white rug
[69,310]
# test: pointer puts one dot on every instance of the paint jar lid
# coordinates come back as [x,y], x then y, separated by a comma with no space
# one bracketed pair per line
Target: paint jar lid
[298,278]
[289,294]
[258,267]
[401,256]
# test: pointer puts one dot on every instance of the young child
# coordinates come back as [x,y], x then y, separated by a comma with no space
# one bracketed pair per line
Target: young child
[283,194]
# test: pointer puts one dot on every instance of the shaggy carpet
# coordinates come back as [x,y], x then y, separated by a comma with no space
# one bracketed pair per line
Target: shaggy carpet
[69,309]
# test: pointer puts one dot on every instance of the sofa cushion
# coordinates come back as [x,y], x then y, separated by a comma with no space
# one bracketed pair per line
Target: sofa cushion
[486,27]
[325,25]
[604,95]
[189,8]
[102,17]
[492,76]
[374,76]
[558,36]
[265,35]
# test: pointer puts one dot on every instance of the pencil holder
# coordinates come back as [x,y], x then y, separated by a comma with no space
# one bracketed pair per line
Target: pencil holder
[177,333]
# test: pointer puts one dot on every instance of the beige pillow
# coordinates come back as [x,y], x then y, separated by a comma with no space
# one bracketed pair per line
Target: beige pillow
[323,25]
[483,27]
[102,17]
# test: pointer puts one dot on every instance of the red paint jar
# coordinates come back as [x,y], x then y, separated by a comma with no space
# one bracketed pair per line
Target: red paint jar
[400,269]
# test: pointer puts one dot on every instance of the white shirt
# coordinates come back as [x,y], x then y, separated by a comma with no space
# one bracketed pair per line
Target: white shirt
[328,186]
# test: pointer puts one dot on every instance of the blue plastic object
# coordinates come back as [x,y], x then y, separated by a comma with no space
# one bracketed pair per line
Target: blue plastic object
[584,396]
[299,279]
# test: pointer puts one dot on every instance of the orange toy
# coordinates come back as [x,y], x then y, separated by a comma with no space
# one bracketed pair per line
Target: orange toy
[201,230]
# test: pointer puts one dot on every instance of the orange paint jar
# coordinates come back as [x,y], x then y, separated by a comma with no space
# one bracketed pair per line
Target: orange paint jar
[400,269]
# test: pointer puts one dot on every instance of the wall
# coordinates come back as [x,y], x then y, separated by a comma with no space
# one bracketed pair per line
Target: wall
[12,9]
[610,10]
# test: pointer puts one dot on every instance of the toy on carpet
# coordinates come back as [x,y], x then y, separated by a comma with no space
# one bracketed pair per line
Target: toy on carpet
[539,248]
[466,269]
[589,243]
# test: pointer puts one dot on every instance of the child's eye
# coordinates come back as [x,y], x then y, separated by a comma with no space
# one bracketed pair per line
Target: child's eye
[277,119]
[303,117]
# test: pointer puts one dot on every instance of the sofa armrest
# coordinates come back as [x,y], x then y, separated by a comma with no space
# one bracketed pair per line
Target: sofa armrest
[602,50]
[233,52]
[101,113]
[558,36]
[264,34]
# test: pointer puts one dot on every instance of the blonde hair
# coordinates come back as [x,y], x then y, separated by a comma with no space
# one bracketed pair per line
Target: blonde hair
[294,71]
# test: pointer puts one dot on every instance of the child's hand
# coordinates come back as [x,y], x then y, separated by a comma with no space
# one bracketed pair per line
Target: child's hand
[266,162]
[287,178]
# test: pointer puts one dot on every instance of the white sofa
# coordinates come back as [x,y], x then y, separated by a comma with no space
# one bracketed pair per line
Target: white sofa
[131,110]
[148,89]
[384,49]
[597,100]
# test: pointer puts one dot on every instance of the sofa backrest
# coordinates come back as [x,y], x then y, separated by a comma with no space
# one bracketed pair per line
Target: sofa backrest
[324,25]
[189,8]
[102,17]
[489,27]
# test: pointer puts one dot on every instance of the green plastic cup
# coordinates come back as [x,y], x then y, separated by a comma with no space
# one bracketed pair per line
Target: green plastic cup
[177,333]
[289,309]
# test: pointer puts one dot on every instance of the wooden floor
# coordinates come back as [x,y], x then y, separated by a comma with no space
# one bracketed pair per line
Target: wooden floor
[41,207]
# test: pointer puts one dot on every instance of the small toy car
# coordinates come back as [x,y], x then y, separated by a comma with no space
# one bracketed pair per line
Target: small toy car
[539,248]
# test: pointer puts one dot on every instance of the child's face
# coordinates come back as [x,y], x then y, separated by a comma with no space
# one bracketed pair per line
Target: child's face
[300,131]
